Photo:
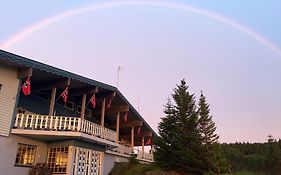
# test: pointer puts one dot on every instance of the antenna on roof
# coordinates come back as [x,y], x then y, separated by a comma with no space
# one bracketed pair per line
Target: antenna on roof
[138,104]
[118,74]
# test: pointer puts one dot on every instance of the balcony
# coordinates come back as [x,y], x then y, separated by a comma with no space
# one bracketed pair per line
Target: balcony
[126,151]
[144,156]
[52,128]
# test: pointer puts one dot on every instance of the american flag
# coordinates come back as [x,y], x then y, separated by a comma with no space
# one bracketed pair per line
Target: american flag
[26,86]
[93,100]
[109,103]
[64,94]
[148,142]
[125,117]
[139,130]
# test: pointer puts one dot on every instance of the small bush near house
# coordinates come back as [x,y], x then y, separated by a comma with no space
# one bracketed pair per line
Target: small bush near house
[133,159]
[39,169]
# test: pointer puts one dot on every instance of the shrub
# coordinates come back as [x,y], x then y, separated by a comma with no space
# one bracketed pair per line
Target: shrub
[39,169]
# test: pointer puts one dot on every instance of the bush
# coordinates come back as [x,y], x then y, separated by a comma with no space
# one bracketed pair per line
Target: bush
[39,169]
[133,159]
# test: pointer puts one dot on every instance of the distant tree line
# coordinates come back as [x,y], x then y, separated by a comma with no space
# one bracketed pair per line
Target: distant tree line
[255,157]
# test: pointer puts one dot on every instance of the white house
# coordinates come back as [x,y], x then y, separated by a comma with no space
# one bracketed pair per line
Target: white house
[74,124]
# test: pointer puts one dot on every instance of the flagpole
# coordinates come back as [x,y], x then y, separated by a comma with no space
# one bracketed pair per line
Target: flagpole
[118,72]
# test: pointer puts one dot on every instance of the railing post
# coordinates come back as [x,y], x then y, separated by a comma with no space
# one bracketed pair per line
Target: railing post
[51,122]
[56,123]
[60,123]
[16,122]
[41,121]
[26,121]
[46,122]
[79,124]
[74,123]
[64,124]
[36,122]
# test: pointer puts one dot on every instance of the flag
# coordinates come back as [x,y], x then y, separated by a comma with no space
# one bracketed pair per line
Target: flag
[93,100]
[125,117]
[148,142]
[26,86]
[64,95]
[139,130]
[109,103]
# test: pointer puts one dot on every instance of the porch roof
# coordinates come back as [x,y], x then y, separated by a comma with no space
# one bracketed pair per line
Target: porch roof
[20,62]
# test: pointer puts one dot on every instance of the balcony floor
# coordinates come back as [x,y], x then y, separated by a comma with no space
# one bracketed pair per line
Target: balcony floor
[44,135]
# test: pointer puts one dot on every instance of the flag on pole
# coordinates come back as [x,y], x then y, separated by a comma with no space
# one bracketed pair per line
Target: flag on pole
[109,103]
[93,100]
[148,142]
[139,131]
[64,95]
[125,117]
[26,86]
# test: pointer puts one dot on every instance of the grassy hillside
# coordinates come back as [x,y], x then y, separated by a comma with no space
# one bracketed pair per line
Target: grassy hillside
[151,169]
[139,169]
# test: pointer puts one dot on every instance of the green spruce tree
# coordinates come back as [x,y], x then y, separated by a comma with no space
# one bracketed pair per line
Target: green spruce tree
[209,138]
[179,146]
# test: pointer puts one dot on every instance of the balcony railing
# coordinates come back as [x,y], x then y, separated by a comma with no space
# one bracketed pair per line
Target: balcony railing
[126,151]
[122,150]
[61,123]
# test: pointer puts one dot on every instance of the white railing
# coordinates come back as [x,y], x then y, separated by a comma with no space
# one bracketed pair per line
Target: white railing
[61,123]
[122,149]
[127,151]
[143,155]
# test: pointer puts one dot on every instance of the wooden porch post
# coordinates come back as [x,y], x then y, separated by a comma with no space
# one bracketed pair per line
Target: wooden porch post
[52,102]
[102,112]
[117,127]
[142,146]
[83,106]
[132,136]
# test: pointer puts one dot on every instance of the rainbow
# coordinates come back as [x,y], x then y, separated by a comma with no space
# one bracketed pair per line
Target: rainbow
[53,19]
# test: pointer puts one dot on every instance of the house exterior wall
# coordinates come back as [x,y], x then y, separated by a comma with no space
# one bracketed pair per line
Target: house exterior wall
[9,146]
[38,105]
[109,160]
[8,95]
[108,163]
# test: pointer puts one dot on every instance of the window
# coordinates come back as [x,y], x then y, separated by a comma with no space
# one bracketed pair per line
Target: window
[25,155]
[87,111]
[57,159]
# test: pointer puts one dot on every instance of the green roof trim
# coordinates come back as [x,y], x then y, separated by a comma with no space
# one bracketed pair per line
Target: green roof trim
[50,69]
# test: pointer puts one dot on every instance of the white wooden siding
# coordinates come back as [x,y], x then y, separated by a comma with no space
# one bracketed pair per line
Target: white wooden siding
[8,94]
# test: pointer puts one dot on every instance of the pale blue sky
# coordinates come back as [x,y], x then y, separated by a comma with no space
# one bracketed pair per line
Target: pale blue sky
[157,47]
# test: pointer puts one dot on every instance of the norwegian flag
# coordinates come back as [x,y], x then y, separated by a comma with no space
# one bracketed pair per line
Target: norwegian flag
[148,142]
[139,131]
[125,117]
[26,86]
[64,95]
[93,100]
[109,103]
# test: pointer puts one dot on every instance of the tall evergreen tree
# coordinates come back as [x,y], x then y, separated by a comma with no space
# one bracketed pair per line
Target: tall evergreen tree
[207,130]
[179,145]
